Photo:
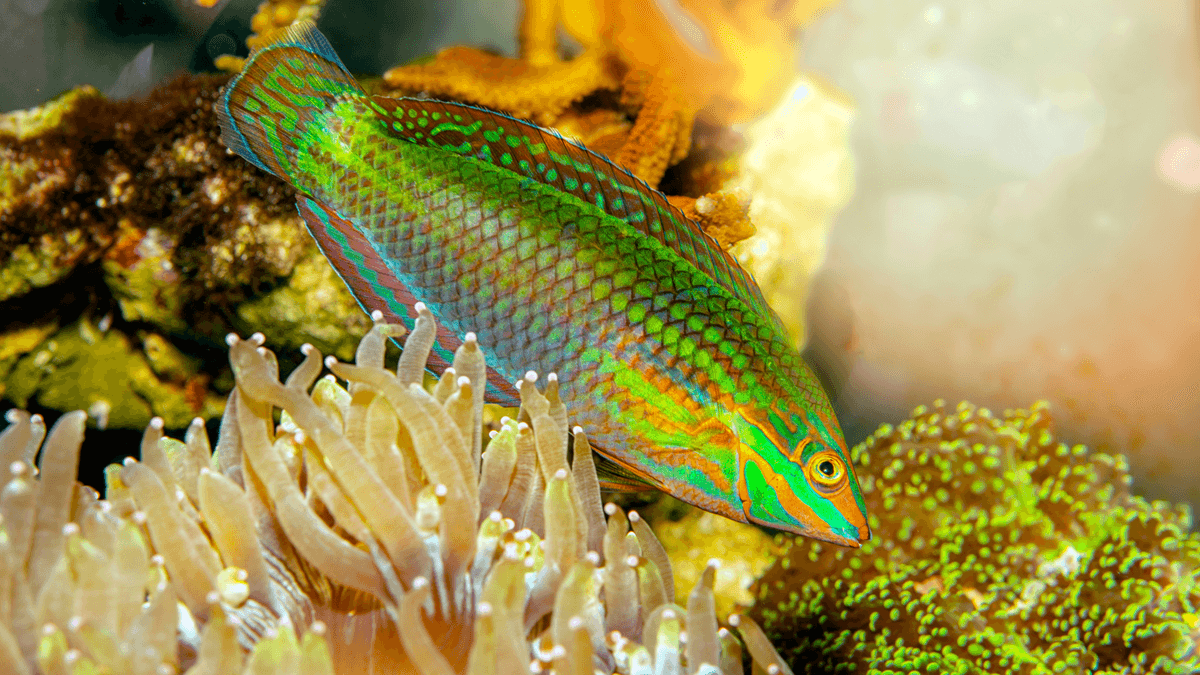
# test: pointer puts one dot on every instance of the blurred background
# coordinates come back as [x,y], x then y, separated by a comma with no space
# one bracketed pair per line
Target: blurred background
[1000,199]
[1025,219]
[50,46]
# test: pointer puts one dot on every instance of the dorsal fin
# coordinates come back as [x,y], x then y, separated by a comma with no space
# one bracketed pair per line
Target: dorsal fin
[285,83]
[546,157]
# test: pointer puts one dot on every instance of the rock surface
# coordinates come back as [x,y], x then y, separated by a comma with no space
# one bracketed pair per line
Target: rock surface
[131,243]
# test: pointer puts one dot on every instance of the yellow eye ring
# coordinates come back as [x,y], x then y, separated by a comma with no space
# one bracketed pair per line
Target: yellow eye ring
[827,470]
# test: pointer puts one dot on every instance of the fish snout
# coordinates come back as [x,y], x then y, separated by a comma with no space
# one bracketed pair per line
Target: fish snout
[853,533]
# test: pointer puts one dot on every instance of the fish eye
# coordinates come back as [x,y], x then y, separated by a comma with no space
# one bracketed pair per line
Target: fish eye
[827,470]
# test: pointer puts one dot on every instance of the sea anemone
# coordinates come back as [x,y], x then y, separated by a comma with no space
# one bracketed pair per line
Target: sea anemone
[364,529]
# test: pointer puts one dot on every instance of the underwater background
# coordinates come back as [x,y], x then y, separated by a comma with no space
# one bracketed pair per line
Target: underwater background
[993,203]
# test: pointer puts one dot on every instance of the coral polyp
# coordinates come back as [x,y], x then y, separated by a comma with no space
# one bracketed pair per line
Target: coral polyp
[364,530]
[1008,551]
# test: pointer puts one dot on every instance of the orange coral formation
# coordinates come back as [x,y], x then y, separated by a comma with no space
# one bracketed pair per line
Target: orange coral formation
[662,132]
[724,215]
[524,88]
[726,61]
[541,86]
[734,57]
[600,129]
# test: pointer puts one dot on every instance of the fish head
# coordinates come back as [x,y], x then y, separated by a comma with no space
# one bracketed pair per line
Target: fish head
[797,476]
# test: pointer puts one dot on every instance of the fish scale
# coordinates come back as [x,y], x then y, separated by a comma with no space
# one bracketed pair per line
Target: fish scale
[530,221]
[428,261]
[559,261]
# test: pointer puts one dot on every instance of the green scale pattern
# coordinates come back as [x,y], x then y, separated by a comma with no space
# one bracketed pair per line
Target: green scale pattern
[551,282]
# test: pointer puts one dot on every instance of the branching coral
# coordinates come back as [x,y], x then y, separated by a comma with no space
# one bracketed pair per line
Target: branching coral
[365,531]
[1000,550]
[539,85]
[542,86]
[733,59]
[538,92]
[662,130]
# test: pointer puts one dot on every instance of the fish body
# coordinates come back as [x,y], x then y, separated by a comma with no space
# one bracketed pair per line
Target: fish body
[560,261]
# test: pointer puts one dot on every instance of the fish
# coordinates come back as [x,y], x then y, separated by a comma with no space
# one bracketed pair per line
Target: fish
[559,261]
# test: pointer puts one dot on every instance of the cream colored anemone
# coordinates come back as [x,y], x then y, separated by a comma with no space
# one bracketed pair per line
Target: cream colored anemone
[365,532]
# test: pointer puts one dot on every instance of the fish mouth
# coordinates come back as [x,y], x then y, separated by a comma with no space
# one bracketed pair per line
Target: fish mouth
[849,537]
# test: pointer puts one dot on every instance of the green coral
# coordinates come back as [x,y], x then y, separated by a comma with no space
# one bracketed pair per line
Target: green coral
[995,549]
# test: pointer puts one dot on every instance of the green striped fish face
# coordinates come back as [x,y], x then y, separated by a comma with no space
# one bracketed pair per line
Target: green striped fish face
[747,439]
[797,476]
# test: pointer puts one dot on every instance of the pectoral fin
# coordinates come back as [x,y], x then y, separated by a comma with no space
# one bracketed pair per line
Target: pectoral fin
[614,476]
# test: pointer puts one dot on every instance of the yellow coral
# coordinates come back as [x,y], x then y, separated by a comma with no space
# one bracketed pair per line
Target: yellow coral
[799,171]
[272,15]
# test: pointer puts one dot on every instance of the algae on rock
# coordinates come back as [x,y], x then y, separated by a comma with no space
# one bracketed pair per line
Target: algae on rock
[39,264]
[136,210]
[312,306]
